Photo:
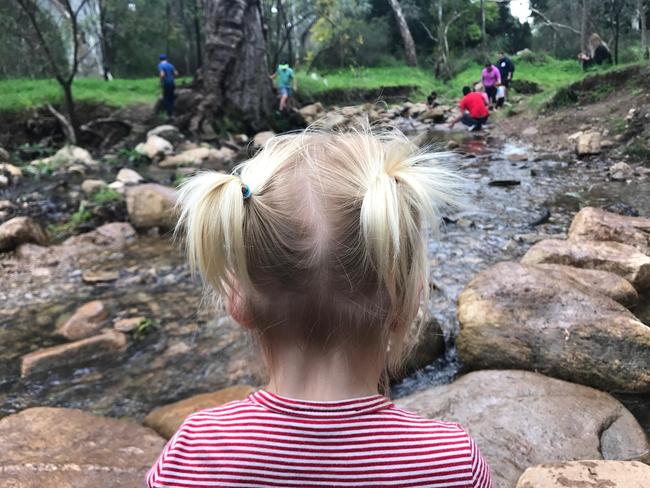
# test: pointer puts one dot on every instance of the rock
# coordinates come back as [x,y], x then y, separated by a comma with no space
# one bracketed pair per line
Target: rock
[128,176]
[504,183]
[262,138]
[68,448]
[588,474]
[609,284]
[310,112]
[620,171]
[517,316]
[593,224]
[436,114]
[128,325]
[20,230]
[101,276]
[198,157]
[430,345]
[4,181]
[621,259]
[155,147]
[69,156]
[167,132]
[517,157]
[167,419]
[7,205]
[588,143]
[332,120]
[520,419]
[240,139]
[4,155]
[151,205]
[118,186]
[109,343]
[91,186]
[114,235]
[530,131]
[575,136]
[14,171]
[86,321]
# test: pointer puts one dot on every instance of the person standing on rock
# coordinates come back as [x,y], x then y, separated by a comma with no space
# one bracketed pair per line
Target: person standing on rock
[318,247]
[167,74]
[286,84]
[506,70]
[474,110]
[490,78]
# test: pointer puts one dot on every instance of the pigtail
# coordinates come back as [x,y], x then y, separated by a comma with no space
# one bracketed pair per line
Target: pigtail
[212,212]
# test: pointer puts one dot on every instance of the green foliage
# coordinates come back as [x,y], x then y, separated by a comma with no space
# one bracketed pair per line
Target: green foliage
[145,327]
[81,216]
[106,195]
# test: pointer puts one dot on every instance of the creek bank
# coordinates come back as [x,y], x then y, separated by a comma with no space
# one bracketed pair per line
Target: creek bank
[587,473]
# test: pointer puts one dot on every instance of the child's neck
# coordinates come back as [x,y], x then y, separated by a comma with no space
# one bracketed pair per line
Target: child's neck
[323,376]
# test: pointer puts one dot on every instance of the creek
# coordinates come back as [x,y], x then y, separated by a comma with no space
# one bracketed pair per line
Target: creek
[516,196]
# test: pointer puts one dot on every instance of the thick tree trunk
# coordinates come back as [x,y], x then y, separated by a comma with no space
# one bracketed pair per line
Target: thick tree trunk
[407,38]
[584,26]
[235,71]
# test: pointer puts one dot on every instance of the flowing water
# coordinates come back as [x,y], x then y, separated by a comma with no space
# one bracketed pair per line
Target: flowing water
[194,350]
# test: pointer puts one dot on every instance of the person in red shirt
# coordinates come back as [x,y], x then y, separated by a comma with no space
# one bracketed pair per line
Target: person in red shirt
[473,110]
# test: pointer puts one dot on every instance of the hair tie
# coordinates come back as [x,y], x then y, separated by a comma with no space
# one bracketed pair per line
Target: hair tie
[246,191]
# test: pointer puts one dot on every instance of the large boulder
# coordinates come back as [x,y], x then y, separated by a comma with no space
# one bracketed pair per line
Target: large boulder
[521,419]
[517,316]
[167,419]
[68,448]
[198,157]
[311,112]
[151,205]
[594,224]
[624,260]
[587,474]
[86,321]
[94,348]
[20,230]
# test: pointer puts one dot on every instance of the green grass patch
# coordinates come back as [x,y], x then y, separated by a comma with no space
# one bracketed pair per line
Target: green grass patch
[81,216]
[19,94]
[105,195]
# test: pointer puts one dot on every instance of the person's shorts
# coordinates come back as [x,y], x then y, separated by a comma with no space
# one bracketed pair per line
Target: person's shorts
[285,91]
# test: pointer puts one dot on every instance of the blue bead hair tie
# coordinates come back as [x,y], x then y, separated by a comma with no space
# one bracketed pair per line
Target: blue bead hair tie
[246,191]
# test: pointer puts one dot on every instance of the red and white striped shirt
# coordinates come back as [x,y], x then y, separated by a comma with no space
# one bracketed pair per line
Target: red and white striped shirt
[272,441]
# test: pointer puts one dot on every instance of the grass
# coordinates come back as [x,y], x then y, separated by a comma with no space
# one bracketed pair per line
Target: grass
[19,94]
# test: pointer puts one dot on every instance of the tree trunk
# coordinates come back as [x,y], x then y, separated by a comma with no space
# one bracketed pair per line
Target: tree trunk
[70,107]
[407,38]
[584,26]
[643,26]
[235,78]
[483,31]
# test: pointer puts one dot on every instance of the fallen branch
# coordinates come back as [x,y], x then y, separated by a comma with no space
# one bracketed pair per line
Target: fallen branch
[68,130]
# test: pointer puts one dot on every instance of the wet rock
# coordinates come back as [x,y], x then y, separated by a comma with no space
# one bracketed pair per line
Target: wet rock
[86,321]
[20,230]
[520,419]
[14,172]
[594,224]
[76,353]
[167,132]
[503,183]
[609,284]
[429,346]
[311,112]
[155,147]
[61,447]
[128,176]
[588,143]
[128,325]
[92,277]
[90,186]
[114,235]
[151,205]
[167,419]
[621,259]
[198,157]
[517,316]
[262,138]
[621,208]
[588,474]
[620,172]
[517,157]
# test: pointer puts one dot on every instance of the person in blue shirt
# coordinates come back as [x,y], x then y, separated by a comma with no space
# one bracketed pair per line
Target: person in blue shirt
[286,83]
[167,74]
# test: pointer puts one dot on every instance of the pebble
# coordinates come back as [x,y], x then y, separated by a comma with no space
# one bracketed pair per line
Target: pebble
[99,276]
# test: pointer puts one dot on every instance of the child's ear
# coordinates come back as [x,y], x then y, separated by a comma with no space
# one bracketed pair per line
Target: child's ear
[236,307]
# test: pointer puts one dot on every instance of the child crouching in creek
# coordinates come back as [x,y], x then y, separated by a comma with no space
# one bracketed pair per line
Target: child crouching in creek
[317,245]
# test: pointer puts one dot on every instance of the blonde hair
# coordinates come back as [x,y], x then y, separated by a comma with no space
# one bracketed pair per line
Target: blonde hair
[330,247]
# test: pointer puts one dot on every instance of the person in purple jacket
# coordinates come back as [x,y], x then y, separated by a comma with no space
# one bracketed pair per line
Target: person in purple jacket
[491,77]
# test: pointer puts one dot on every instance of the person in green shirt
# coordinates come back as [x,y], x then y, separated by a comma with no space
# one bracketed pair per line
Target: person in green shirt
[286,83]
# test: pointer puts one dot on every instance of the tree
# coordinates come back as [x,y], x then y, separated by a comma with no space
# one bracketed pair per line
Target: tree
[63,73]
[642,13]
[483,31]
[236,82]
[584,25]
[405,32]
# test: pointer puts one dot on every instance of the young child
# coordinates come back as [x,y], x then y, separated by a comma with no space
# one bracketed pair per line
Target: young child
[501,95]
[317,246]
